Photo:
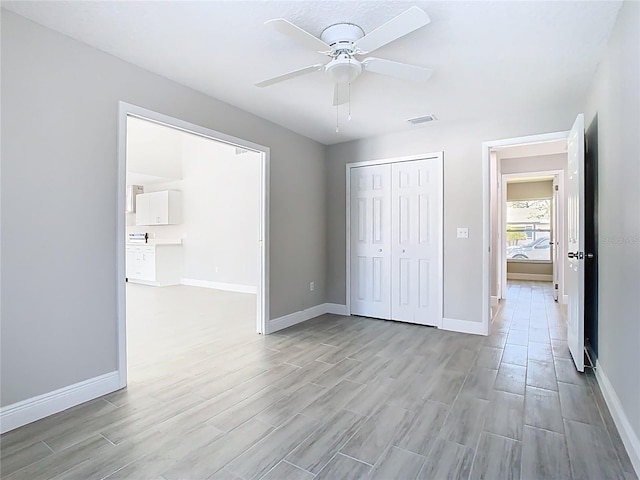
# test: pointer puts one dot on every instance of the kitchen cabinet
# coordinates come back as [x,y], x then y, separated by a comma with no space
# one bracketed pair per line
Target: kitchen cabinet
[157,265]
[159,208]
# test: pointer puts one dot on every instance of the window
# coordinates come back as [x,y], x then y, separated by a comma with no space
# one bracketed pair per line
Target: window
[529,230]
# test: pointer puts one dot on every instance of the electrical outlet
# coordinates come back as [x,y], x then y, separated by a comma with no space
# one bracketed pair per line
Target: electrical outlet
[463,232]
[312,286]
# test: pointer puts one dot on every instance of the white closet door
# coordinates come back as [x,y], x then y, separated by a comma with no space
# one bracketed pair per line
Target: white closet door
[371,241]
[416,280]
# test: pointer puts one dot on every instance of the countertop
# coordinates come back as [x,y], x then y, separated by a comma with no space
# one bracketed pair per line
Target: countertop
[155,242]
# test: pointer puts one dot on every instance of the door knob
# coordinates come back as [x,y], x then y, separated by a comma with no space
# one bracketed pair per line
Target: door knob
[380,250]
[589,255]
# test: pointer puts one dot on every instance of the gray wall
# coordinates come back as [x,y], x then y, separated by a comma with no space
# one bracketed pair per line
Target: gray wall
[59,160]
[462,146]
[614,97]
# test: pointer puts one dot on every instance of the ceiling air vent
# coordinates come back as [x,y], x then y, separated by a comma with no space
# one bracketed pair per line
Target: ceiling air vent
[423,119]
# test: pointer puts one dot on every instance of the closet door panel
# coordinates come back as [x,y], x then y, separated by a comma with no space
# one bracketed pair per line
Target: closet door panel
[370,243]
[416,204]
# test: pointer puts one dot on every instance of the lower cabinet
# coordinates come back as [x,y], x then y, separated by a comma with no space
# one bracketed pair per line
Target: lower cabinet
[157,265]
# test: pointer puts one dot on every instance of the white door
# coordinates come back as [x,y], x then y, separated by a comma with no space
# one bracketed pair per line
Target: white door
[575,235]
[416,210]
[371,241]
[553,241]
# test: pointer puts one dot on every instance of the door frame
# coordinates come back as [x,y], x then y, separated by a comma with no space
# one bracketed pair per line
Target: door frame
[487,167]
[427,156]
[560,234]
[262,298]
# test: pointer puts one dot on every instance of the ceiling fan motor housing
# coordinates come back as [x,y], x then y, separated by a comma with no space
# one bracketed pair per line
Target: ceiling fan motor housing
[342,36]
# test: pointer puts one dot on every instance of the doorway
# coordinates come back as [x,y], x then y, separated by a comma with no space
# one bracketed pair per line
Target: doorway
[156,218]
[532,224]
[544,151]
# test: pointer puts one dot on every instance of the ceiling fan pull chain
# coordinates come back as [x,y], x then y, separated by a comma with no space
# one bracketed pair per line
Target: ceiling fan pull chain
[349,116]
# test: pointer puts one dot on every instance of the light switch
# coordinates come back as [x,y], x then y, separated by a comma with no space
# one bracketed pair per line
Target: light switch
[463,232]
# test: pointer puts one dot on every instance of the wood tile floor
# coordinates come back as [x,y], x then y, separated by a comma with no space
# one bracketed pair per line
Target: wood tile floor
[333,398]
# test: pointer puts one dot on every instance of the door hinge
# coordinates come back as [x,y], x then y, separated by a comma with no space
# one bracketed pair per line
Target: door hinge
[555,286]
[556,187]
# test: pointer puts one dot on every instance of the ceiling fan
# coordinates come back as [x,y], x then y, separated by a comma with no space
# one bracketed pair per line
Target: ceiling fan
[344,42]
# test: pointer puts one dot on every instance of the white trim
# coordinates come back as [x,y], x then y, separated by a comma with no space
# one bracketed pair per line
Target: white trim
[297,317]
[365,163]
[307,314]
[35,408]
[464,326]
[262,302]
[495,301]
[629,437]
[565,299]
[535,277]
[337,309]
[486,210]
[229,287]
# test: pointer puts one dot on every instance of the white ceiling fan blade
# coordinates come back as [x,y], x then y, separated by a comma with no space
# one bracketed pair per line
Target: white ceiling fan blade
[395,28]
[301,36]
[397,69]
[340,94]
[288,75]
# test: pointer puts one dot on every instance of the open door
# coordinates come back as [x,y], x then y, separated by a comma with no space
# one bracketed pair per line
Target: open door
[575,236]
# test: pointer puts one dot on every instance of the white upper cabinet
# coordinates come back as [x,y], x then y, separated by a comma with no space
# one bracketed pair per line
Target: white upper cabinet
[159,208]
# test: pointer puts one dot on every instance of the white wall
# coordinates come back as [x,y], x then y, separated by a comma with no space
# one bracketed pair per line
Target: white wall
[462,146]
[221,195]
[59,177]
[614,98]
[153,150]
[542,163]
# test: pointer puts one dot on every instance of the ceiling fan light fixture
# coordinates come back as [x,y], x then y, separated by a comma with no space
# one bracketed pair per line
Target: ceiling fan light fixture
[343,69]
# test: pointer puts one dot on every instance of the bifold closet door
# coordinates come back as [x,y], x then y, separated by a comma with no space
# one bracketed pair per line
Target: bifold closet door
[370,242]
[416,216]
[396,240]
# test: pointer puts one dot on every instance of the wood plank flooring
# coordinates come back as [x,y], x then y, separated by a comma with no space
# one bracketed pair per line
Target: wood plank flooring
[333,398]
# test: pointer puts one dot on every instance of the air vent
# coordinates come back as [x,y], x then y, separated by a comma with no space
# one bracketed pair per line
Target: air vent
[423,119]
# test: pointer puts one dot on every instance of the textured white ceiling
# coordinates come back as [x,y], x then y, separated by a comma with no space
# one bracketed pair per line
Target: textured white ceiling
[502,57]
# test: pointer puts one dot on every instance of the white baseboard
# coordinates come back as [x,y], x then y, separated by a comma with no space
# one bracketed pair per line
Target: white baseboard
[536,277]
[629,437]
[464,326]
[337,309]
[294,318]
[35,408]
[229,287]
[495,301]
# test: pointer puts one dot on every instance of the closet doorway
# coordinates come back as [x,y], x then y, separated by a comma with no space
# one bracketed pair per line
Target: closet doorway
[394,239]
